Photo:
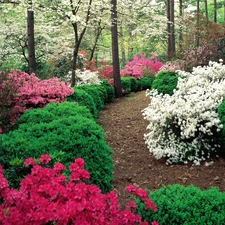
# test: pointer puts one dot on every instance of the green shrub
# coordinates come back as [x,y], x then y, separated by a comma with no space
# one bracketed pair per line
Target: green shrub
[126,85]
[139,88]
[65,139]
[83,99]
[146,83]
[110,90]
[102,91]
[185,205]
[165,82]
[221,135]
[53,111]
[134,85]
[95,94]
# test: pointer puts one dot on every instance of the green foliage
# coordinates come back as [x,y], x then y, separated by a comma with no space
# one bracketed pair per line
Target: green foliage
[165,82]
[64,138]
[95,94]
[185,205]
[53,111]
[126,85]
[134,84]
[146,83]
[109,89]
[102,91]
[221,134]
[83,99]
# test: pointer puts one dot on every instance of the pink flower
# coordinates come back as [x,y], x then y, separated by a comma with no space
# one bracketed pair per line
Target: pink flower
[59,167]
[45,159]
[150,205]
[79,162]
[30,162]
[154,223]
[131,189]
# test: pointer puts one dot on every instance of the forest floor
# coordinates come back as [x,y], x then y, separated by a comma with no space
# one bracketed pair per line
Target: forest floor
[124,128]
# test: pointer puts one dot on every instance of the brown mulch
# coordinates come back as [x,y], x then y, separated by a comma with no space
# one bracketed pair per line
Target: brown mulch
[124,128]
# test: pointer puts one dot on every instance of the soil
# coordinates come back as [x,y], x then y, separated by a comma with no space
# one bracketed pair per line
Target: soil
[124,128]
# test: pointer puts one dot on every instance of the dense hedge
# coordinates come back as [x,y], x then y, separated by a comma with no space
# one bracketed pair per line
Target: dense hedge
[185,205]
[165,82]
[84,99]
[109,89]
[66,131]
[126,85]
[95,94]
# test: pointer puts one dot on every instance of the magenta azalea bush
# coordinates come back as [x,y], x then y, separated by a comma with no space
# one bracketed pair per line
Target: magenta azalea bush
[141,66]
[29,92]
[46,196]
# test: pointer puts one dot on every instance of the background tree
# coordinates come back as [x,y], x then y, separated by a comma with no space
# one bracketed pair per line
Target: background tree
[115,51]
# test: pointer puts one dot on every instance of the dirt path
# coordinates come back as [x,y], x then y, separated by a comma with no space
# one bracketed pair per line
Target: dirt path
[124,127]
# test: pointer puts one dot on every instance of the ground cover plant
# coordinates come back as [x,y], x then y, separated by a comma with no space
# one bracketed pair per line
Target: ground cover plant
[46,196]
[185,126]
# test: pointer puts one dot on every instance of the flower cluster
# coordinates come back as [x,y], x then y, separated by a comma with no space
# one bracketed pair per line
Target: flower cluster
[84,76]
[173,65]
[46,197]
[182,126]
[31,92]
[107,72]
[141,65]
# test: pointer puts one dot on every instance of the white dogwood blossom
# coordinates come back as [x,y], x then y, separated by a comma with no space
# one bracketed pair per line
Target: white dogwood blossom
[181,126]
[84,77]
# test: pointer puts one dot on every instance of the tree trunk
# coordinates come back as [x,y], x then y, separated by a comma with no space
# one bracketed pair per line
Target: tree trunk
[115,51]
[215,12]
[198,24]
[181,31]
[30,36]
[206,11]
[170,29]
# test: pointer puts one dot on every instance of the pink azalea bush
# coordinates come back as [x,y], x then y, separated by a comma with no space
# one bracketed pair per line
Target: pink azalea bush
[106,72]
[141,66]
[30,92]
[46,196]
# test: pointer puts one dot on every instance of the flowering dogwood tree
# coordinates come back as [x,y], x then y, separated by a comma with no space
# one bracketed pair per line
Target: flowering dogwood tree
[182,127]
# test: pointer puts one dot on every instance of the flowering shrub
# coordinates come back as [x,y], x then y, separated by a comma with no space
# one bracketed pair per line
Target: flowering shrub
[173,66]
[106,72]
[84,77]
[31,92]
[140,66]
[183,127]
[46,196]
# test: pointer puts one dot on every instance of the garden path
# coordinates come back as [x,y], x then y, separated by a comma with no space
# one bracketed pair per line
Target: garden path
[124,128]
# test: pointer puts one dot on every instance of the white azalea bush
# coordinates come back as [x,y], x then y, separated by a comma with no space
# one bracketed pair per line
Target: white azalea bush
[183,127]
[84,76]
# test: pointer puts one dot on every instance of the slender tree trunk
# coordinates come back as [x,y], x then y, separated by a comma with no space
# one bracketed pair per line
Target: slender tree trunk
[206,11]
[198,24]
[115,51]
[170,29]
[122,48]
[224,13]
[181,31]
[30,36]
[215,12]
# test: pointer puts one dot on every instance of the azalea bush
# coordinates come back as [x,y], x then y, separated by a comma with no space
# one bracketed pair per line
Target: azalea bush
[106,72]
[29,92]
[46,196]
[141,66]
[185,126]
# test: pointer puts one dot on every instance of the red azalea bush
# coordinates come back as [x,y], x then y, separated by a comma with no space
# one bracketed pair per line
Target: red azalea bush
[29,92]
[46,197]
[140,66]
